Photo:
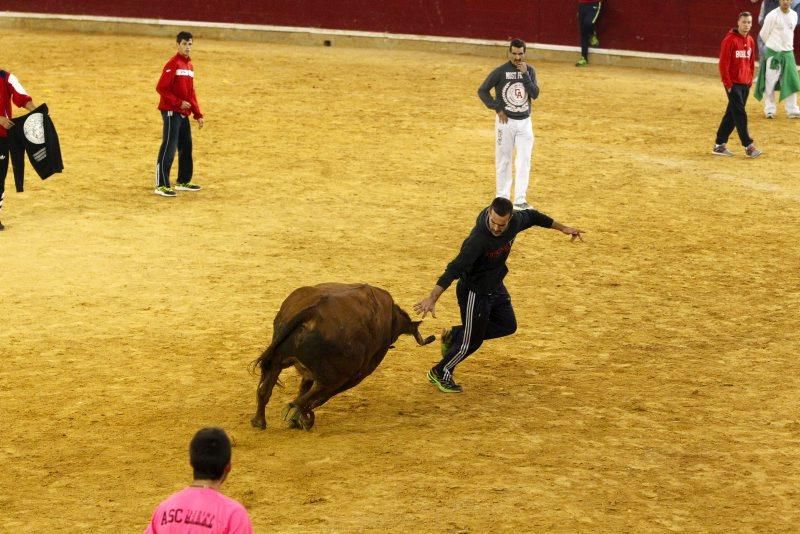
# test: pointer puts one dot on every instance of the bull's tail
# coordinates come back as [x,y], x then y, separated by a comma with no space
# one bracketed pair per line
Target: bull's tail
[266,360]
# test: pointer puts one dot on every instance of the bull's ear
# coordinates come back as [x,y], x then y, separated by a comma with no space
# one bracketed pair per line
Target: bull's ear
[415,324]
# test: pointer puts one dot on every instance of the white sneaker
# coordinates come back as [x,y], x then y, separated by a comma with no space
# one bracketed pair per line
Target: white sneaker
[769,115]
[794,115]
[522,206]
[721,150]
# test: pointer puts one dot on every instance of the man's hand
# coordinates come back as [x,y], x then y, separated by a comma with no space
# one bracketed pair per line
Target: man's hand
[425,306]
[200,122]
[6,123]
[574,232]
[185,105]
[502,116]
[428,305]
[522,67]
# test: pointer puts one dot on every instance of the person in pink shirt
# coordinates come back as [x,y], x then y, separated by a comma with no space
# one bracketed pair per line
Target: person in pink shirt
[201,508]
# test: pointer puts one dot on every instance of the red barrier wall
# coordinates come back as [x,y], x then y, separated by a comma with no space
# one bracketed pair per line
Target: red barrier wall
[690,27]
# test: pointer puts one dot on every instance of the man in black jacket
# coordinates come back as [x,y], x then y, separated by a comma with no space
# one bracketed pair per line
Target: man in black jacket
[480,267]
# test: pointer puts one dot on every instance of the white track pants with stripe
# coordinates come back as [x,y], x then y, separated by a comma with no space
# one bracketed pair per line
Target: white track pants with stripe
[515,134]
[773,76]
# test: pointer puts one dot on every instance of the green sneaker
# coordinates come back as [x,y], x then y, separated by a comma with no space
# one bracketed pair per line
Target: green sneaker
[594,41]
[447,386]
[188,186]
[165,191]
[447,340]
[581,62]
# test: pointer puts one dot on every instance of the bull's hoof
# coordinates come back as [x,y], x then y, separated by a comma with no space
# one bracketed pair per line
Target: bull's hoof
[295,418]
[307,420]
[289,412]
[259,422]
[291,415]
[294,424]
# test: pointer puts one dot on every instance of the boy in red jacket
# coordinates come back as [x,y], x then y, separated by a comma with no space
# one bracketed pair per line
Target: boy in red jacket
[736,66]
[178,101]
[10,91]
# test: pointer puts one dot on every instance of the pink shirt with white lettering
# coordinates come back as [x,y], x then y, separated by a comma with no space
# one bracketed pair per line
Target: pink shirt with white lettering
[199,511]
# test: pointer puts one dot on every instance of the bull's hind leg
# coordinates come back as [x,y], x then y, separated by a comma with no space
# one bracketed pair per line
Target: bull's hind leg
[290,414]
[263,393]
[300,412]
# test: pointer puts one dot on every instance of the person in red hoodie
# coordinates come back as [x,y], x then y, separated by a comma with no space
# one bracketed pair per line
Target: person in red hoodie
[178,101]
[736,66]
[10,91]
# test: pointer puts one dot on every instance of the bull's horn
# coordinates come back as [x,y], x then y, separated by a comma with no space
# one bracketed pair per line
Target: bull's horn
[427,340]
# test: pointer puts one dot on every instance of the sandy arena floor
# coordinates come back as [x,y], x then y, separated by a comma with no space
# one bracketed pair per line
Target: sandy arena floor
[652,384]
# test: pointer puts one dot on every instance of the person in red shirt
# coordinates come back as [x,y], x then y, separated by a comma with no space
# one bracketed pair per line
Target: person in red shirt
[736,65]
[201,507]
[11,91]
[178,101]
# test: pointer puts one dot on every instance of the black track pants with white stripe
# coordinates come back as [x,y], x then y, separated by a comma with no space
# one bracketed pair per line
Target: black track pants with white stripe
[482,317]
[177,136]
[587,17]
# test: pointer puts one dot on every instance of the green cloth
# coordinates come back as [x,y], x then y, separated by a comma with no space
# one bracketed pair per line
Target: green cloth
[789,82]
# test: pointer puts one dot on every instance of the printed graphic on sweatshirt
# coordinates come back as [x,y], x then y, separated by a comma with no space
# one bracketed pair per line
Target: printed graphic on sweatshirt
[516,98]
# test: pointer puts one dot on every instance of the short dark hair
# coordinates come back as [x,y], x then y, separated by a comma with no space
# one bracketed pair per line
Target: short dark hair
[502,206]
[183,36]
[744,14]
[516,43]
[210,453]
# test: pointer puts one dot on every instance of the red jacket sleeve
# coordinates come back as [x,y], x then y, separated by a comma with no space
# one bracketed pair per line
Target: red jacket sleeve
[725,55]
[195,106]
[164,85]
[193,99]
[18,94]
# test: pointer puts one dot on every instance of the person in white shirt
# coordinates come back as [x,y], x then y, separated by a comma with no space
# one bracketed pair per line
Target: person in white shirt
[766,7]
[777,69]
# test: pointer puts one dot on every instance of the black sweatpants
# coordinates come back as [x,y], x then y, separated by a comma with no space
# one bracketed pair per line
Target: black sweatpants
[587,16]
[735,116]
[482,317]
[177,135]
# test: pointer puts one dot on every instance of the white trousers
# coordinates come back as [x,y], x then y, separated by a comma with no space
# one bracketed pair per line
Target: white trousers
[773,76]
[515,134]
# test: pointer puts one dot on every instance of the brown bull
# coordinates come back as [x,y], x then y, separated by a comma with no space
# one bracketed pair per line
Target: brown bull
[335,335]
